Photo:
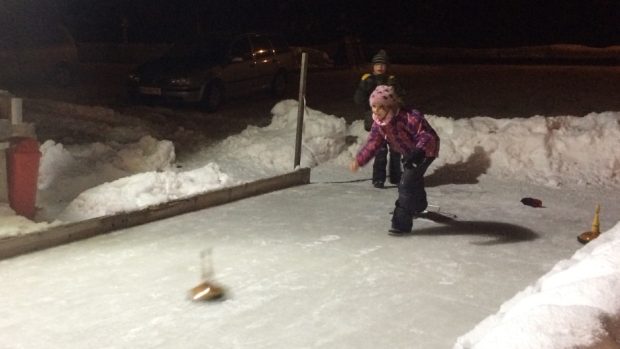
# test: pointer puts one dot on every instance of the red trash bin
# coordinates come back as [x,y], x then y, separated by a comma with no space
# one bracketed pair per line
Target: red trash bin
[22,162]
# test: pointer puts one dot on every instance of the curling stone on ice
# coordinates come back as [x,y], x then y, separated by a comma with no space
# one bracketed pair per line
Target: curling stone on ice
[594,231]
[207,289]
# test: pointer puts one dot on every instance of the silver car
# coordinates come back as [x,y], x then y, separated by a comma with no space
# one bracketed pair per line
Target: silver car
[210,69]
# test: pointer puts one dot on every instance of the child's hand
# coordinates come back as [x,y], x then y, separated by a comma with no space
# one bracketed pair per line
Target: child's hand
[353,166]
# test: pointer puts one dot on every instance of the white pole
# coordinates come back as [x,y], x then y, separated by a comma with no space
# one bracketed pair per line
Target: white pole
[4,192]
[16,110]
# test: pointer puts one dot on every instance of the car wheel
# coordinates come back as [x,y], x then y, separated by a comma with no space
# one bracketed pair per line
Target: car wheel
[279,84]
[213,96]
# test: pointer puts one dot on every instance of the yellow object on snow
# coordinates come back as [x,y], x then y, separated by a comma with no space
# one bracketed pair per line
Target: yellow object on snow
[595,230]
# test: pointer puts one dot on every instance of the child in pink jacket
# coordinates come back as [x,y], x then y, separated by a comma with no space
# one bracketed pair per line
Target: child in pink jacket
[408,132]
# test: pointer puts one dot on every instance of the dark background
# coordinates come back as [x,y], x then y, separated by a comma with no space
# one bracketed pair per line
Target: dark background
[448,23]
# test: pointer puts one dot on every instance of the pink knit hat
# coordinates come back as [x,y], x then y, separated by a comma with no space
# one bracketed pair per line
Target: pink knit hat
[384,95]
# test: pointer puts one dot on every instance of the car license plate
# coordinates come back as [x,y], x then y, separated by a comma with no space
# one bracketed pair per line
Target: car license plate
[155,91]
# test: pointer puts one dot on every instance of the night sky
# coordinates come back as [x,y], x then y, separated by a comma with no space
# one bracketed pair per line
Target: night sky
[464,23]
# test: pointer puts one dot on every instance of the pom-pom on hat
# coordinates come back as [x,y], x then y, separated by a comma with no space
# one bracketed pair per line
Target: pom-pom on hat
[384,95]
[380,57]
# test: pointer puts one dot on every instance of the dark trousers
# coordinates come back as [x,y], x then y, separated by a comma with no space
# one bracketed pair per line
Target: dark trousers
[381,163]
[411,195]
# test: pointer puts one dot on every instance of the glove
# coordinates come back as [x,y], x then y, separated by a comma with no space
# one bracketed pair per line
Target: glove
[413,159]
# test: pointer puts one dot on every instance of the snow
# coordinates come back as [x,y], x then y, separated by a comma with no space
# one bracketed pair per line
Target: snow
[572,306]
[306,267]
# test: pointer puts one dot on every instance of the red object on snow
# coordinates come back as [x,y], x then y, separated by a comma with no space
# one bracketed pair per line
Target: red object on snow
[22,163]
[531,202]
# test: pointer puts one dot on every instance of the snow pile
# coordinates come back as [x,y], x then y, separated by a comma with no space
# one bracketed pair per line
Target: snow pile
[146,155]
[66,172]
[145,189]
[265,151]
[125,171]
[112,160]
[546,150]
[572,306]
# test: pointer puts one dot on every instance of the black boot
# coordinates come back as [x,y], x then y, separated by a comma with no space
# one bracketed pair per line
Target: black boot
[402,221]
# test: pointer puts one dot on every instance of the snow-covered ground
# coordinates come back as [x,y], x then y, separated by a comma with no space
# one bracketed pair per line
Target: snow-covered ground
[313,266]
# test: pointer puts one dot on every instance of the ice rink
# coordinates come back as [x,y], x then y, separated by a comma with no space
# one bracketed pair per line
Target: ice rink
[307,267]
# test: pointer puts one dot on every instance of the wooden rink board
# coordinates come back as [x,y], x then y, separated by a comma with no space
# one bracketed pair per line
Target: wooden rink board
[62,234]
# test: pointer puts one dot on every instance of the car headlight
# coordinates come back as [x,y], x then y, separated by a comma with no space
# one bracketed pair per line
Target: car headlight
[180,81]
[135,78]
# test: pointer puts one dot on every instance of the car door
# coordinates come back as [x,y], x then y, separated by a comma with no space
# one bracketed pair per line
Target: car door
[266,67]
[239,73]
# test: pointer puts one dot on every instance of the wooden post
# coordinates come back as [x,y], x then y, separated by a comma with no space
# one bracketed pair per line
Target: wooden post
[302,107]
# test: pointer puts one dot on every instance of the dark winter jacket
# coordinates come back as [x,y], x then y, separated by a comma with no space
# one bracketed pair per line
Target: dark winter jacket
[407,132]
[367,84]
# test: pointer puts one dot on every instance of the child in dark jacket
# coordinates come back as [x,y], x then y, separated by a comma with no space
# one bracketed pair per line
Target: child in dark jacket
[367,84]
[408,132]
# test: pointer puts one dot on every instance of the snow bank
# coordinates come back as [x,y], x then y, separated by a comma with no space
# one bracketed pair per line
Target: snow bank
[266,151]
[144,189]
[572,306]
[552,151]
[114,159]
[546,150]
[65,172]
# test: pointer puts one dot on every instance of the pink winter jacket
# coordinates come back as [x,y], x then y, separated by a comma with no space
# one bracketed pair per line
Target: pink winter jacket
[407,130]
